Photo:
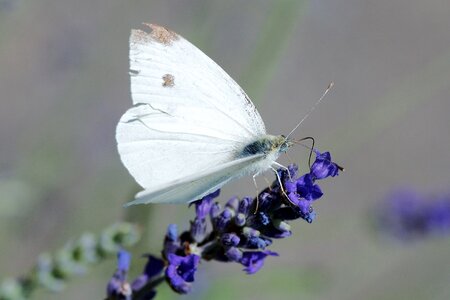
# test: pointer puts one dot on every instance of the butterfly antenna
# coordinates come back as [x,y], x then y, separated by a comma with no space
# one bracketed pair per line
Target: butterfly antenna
[312,108]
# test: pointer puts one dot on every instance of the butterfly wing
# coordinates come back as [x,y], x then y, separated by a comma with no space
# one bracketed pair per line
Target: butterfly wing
[188,117]
[199,185]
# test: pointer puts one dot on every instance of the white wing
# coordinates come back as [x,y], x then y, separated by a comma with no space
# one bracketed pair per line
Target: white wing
[188,117]
[199,185]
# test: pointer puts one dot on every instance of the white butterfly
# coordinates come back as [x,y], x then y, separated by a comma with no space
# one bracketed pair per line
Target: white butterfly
[191,128]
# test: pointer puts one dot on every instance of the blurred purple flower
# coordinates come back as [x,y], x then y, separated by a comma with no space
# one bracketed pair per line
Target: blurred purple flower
[408,216]
[118,286]
[171,241]
[123,261]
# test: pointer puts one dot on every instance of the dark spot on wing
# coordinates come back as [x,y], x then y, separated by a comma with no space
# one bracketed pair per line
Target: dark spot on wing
[168,80]
[134,72]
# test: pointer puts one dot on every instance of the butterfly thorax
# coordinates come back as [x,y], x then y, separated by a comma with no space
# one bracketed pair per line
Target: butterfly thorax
[268,145]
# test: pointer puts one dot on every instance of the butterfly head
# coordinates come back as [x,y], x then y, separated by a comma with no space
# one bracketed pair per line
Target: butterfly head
[281,143]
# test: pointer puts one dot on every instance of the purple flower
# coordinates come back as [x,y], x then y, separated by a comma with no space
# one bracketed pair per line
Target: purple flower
[254,260]
[267,201]
[171,241]
[244,205]
[230,239]
[294,197]
[222,221]
[215,210]
[233,204]
[293,213]
[180,272]
[309,216]
[240,220]
[323,166]
[203,206]
[233,254]
[408,216]
[198,230]
[290,186]
[307,189]
[123,261]
[172,232]
[305,206]
[439,216]
[117,285]
[293,169]
[289,174]
[256,242]
[278,229]
[259,220]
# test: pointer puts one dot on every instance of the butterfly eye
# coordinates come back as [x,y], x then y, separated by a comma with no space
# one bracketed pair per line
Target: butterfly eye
[285,146]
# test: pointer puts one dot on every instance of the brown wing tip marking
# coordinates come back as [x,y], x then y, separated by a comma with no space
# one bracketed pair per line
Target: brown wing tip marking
[156,33]
[168,80]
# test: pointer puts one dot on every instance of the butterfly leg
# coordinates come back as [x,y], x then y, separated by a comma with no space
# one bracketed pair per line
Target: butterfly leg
[282,167]
[269,184]
[281,185]
[257,193]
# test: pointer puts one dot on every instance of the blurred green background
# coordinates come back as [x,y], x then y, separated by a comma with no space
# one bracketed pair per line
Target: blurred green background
[64,84]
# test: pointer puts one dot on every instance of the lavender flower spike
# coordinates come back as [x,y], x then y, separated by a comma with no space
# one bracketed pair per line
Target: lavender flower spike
[238,233]
[408,216]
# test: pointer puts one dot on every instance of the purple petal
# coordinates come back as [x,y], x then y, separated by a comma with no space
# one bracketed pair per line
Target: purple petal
[254,260]
[180,272]
[123,260]
[323,167]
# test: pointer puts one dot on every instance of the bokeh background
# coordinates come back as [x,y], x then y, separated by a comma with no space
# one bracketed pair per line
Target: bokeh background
[64,84]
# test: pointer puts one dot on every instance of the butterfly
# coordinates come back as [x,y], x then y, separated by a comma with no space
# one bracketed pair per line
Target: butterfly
[191,128]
